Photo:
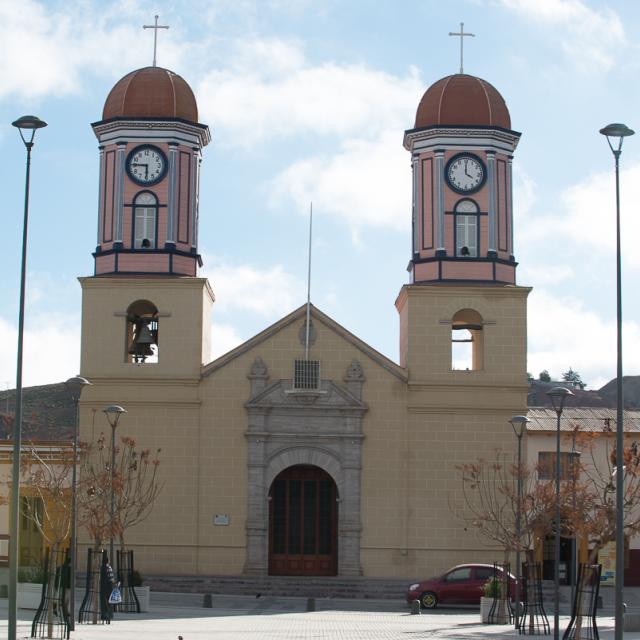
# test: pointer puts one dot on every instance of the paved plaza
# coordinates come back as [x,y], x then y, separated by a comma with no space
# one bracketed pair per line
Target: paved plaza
[271,618]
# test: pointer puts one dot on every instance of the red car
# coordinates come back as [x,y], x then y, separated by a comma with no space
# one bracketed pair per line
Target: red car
[460,585]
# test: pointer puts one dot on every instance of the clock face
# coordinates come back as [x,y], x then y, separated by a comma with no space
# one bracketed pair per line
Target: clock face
[146,165]
[465,173]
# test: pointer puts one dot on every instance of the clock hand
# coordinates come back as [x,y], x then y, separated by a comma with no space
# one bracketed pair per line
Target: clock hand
[466,173]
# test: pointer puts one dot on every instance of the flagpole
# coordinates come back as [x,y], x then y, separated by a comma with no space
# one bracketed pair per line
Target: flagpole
[306,342]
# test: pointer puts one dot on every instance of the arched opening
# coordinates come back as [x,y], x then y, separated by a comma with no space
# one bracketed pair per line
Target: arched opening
[145,216]
[466,229]
[303,518]
[141,343]
[467,340]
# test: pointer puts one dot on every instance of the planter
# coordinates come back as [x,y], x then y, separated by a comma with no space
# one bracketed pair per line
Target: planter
[485,609]
[143,594]
[29,595]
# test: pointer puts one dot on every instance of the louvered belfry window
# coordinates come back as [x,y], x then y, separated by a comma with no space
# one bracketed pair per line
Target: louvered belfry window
[306,374]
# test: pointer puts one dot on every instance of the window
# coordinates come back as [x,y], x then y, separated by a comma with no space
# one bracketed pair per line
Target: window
[459,575]
[466,217]
[306,374]
[145,214]
[30,537]
[484,573]
[547,464]
[466,341]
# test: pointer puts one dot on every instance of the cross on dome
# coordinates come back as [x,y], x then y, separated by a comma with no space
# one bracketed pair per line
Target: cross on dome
[155,28]
[461,35]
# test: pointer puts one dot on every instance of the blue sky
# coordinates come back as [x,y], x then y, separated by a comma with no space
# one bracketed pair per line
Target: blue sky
[308,101]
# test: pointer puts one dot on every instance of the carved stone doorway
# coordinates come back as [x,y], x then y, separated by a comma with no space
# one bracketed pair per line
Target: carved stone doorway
[303,519]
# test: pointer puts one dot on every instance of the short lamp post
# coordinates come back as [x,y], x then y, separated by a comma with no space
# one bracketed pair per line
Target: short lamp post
[619,131]
[113,413]
[25,124]
[519,425]
[74,386]
[558,397]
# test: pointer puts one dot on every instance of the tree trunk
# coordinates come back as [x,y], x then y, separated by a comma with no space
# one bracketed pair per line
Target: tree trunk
[50,590]
[96,559]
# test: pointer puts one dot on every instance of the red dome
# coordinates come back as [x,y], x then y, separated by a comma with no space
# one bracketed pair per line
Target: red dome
[151,92]
[462,100]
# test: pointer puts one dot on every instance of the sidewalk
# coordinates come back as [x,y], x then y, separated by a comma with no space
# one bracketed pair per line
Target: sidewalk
[272,618]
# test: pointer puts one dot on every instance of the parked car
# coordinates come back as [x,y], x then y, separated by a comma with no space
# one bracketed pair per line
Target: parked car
[460,585]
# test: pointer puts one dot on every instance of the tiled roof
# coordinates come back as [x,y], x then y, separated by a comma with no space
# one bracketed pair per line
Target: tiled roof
[591,419]
[48,413]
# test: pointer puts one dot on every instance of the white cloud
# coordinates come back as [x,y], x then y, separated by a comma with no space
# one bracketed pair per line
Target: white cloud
[590,212]
[271,90]
[266,291]
[587,216]
[223,338]
[368,183]
[588,36]
[51,350]
[45,50]
[563,333]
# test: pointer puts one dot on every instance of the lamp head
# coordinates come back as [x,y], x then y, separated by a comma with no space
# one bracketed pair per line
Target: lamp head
[616,130]
[75,386]
[113,413]
[558,397]
[519,425]
[28,123]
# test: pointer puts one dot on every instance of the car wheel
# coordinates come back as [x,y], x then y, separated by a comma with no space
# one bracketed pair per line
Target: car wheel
[428,600]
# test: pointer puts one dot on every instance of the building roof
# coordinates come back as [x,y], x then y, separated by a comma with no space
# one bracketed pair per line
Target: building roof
[462,100]
[588,419]
[151,92]
[48,414]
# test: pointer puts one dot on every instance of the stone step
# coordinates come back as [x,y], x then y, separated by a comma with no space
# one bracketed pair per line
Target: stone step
[300,586]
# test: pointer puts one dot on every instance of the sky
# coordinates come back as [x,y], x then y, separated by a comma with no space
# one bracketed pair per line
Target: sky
[308,101]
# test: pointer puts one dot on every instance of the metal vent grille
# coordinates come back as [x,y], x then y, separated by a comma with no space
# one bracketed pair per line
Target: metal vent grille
[306,374]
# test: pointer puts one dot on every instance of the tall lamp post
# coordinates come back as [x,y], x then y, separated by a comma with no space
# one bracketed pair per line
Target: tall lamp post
[24,125]
[519,425]
[74,386]
[558,397]
[113,413]
[619,131]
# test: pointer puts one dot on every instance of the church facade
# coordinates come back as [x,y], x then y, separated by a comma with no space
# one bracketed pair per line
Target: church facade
[304,451]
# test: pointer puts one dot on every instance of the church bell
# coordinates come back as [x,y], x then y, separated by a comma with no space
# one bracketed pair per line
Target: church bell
[143,338]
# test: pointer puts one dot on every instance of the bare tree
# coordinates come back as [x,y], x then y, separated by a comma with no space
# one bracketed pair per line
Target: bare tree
[46,475]
[490,501]
[134,483]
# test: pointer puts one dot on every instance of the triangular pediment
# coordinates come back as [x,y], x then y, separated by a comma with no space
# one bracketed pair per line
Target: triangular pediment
[330,395]
[318,316]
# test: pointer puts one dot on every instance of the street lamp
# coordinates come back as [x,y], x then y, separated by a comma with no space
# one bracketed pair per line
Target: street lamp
[113,413]
[619,131]
[74,386]
[558,397]
[519,425]
[24,124]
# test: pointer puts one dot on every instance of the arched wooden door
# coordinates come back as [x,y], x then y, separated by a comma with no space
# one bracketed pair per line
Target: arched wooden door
[303,523]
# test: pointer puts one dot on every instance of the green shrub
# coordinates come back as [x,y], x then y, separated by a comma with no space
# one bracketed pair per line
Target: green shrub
[136,579]
[492,588]
[34,575]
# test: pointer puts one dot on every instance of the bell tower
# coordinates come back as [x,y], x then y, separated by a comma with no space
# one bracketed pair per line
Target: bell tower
[461,149]
[462,317]
[150,146]
[145,304]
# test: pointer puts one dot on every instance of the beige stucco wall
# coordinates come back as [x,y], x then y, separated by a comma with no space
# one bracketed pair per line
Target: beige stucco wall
[415,432]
